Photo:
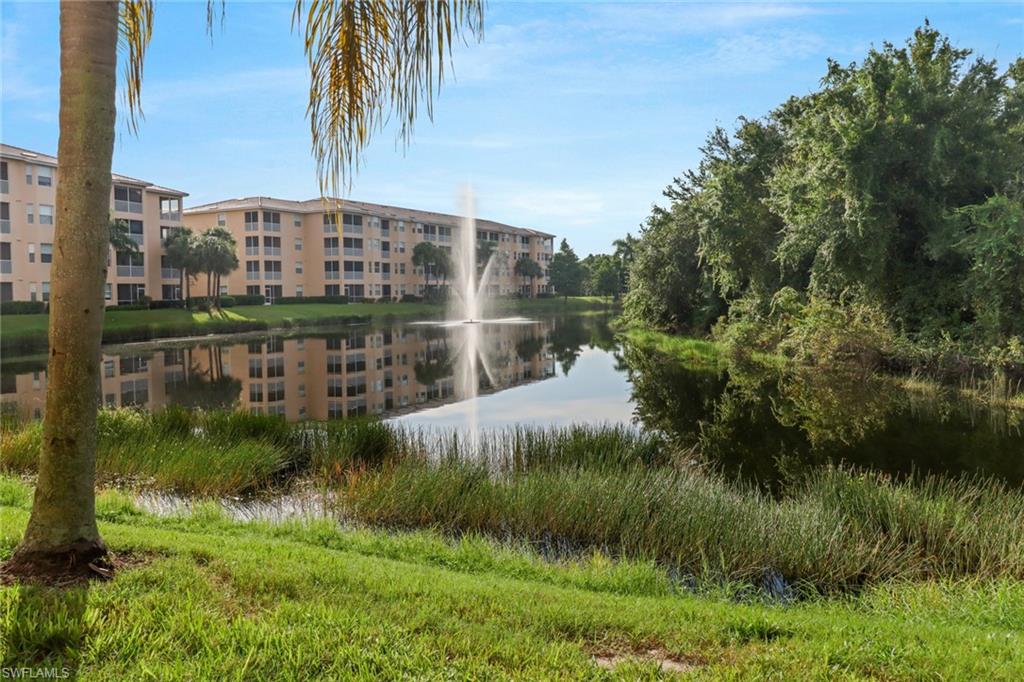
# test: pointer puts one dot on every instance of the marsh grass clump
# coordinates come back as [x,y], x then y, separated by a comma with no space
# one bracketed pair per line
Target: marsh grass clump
[831,531]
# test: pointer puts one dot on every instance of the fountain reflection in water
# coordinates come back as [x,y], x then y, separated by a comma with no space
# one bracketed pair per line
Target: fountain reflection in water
[467,310]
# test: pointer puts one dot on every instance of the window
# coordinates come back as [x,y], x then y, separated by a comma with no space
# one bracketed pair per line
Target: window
[134,364]
[46,253]
[355,362]
[330,246]
[353,224]
[5,257]
[171,292]
[135,232]
[335,389]
[28,174]
[331,270]
[170,208]
[108,369]
[273,292]
[301,367]
[385,228]
[355,386]
[167,271]
[298,243]
[275,367]
[354,269]
[255,368]
[167,231]
[5,185]
[45,214]
[272,270]
[130,265]
[108,291]
[355,291]
[30,213]
[252,270]
[134,392]
[126,199]
[31,253]
[45,176]
[332,290]
[252,290]
[255,393]
[271,221]
[298,291]
[222,220]
[297,220]
[5,217]
[275,391]
[401,247]
[330,223]
[353,246]
[252,246]
[271,246]
[334,364]
[130,293]
[298,267]
[252,221]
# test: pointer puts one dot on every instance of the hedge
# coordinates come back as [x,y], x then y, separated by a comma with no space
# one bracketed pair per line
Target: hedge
[312,299]
[22,307]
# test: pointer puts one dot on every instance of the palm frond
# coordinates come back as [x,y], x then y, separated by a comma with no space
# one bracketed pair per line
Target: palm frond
[136,28]
[371,62]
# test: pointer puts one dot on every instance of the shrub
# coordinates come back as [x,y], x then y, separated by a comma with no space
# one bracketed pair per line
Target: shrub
[22,307]
[158,305]
[411,298]
[127,306]
[250,299]
[312,299]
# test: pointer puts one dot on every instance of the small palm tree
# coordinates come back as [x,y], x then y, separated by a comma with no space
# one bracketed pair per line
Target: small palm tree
[369,62]
[180,247]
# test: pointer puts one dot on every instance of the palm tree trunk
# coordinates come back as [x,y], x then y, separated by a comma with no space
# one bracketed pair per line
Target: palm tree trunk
[62,533]
[181,283]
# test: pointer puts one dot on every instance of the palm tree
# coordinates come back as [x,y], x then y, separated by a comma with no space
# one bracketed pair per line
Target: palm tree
[424,255]
[180,247]
[369,62]
[121,238]
[527,267]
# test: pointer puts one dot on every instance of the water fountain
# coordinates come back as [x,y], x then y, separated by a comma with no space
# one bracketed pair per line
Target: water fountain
[467,311]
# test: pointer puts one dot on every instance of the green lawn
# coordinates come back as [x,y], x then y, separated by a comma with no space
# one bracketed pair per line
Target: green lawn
[223,600]
[24,333]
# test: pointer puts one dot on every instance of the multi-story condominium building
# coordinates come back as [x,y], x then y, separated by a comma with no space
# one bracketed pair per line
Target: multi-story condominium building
[28,183]
[297,248]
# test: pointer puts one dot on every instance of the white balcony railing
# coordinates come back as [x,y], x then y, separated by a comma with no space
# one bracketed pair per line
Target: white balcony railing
[131,270]
[170,273]
[271,250]
[127,206]
[350,251]
[171,215]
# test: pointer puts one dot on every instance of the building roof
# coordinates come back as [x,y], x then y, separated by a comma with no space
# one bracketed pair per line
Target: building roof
[8,151]
[381,210]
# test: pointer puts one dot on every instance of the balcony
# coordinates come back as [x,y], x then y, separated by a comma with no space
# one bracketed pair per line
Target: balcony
[250,275]
[353,275]
[330,250]
[131,270]
[5,267]
[171,215]
[385,276]
[385,254]
[127,206]
[332,274]
[271,250]
[350,251]
[252,251]
[137,238]
[170,273]
[272,275]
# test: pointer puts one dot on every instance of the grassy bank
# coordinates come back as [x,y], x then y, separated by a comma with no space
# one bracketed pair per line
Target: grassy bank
[215,599]
[572,490]
[25,333]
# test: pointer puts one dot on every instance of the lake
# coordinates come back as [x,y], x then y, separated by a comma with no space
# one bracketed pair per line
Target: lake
[756,425]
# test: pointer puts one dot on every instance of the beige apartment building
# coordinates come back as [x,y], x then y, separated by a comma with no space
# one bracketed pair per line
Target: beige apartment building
[28,183]
[295,248]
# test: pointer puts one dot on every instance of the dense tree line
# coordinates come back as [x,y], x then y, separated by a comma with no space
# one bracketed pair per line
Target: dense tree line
[892,195]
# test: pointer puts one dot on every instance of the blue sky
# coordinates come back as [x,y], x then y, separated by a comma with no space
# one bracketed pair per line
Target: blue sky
[569,117]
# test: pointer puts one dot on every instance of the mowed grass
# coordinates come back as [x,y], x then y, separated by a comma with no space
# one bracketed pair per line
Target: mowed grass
[217,599]
[27,333]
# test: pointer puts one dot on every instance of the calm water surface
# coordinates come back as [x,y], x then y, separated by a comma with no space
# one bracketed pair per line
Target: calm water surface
[559,371]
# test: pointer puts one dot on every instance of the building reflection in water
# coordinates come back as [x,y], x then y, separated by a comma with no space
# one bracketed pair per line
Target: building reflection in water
[363,370]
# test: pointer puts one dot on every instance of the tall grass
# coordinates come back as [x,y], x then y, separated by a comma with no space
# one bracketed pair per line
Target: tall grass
[832,530]
[617,489]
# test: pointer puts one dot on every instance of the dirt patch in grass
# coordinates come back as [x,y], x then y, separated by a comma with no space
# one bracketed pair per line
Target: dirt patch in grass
[667,662]
[59,574]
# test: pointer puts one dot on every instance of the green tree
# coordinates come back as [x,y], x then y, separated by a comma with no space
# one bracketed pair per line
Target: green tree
[529,268]
[565,272]
[369,63]
[625,252]
[180,247]
[121,239]
[604,278]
